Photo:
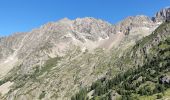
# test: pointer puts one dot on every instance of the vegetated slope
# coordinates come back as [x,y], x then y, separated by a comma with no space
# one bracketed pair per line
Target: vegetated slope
[149,81]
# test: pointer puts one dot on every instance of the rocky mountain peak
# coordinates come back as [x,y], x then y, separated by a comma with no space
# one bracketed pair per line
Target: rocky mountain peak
[136,21]
[92,28]
[139,21]
[163,15]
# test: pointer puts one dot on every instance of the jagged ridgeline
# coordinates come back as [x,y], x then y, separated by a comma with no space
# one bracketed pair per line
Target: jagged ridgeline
[147,82]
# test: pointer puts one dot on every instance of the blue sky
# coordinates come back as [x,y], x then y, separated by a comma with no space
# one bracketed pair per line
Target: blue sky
[24,15]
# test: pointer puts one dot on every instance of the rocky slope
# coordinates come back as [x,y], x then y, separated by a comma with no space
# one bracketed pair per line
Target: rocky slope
[57,59]
[147,81]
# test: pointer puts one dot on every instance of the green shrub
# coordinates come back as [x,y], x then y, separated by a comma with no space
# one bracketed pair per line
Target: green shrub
[42,95]
[159,96]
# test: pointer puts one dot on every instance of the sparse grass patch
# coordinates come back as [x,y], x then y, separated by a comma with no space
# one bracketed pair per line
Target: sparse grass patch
[52,62]
[2,82]
[42,95]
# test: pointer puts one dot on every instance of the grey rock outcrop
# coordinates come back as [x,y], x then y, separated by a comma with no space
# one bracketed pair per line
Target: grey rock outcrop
[163,15]
[165,79]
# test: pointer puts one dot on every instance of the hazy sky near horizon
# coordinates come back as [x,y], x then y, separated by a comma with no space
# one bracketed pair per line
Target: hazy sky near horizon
[25,15]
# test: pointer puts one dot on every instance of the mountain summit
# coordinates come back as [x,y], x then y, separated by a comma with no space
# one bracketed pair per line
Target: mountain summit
[163,15]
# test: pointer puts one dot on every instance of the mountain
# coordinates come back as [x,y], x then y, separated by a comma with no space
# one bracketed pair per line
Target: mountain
[60,58]
[147,81]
